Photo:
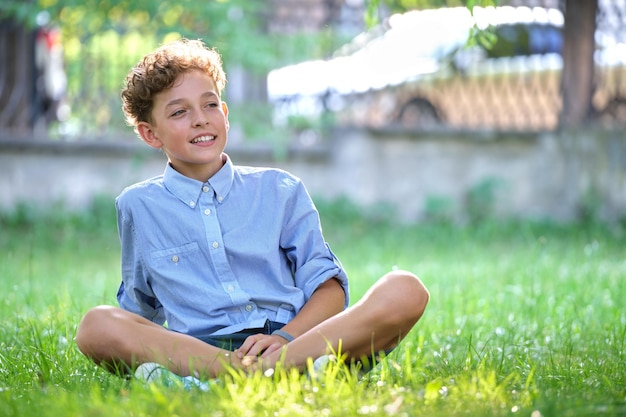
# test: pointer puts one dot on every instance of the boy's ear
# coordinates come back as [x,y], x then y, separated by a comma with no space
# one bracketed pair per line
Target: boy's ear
[147,134]
[225,110]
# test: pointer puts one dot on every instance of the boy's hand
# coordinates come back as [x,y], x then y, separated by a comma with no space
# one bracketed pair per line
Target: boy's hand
[260,345]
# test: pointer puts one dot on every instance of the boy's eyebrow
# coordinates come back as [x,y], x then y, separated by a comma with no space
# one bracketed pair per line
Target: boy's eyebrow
[178,101]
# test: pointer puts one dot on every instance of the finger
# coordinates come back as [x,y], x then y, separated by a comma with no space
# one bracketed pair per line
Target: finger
[272,348]
[249,362]
[247,344]
[259,346]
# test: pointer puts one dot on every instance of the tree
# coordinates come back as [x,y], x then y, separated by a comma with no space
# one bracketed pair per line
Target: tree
[235,27]
[578,64]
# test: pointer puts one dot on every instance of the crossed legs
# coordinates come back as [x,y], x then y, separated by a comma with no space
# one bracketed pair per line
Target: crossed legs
[379,321]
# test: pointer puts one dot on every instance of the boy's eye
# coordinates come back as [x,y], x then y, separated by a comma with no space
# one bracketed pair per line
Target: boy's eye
[212,104]
[178,112]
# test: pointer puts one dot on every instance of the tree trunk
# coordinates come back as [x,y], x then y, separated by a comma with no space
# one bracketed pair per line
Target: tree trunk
[16,76]
[578,65]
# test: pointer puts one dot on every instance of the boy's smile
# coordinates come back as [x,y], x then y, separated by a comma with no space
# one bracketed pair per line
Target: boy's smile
[203,139]
[190,124]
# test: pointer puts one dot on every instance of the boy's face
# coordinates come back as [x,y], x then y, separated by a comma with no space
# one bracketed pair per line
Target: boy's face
[190,124]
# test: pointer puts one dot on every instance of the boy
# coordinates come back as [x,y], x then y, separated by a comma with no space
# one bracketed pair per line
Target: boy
[232,258]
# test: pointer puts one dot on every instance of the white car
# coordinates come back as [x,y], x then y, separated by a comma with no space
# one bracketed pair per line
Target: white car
[417,70]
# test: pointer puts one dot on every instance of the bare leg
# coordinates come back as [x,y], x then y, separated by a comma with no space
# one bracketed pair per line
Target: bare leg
[378,322]
[385,314]
[111,336]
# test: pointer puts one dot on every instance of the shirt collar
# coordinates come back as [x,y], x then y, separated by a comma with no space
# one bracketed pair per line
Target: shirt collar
[188,190]
[222,181]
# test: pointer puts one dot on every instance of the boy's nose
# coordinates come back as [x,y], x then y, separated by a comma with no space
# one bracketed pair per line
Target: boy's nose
[199,118]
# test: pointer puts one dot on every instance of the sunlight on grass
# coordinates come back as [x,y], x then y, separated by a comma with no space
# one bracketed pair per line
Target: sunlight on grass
[525,319]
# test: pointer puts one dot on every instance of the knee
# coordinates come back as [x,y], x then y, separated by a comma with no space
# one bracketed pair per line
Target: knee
[409,296]
[94,327]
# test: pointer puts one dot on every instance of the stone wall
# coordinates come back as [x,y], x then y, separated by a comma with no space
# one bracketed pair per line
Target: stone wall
[556,176]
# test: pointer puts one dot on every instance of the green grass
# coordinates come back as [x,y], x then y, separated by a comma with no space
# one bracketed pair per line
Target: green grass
[525,319]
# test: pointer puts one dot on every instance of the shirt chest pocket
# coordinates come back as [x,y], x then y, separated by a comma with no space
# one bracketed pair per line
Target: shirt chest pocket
[178,256]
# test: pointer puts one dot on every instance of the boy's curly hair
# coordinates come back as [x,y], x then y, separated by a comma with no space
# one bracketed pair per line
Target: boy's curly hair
[158,70]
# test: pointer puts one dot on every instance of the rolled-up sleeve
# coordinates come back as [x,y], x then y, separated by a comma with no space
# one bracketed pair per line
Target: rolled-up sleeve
[313,260]
[134,293]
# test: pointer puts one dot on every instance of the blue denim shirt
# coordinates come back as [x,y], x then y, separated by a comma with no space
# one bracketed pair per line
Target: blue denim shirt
[222,256]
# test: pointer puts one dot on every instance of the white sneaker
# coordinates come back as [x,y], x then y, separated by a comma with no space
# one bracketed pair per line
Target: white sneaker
[153,372]
[319,364]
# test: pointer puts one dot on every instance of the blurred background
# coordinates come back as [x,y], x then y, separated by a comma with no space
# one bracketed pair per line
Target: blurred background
[436,108]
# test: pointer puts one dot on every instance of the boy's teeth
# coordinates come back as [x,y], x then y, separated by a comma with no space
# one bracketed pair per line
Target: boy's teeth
[203,139]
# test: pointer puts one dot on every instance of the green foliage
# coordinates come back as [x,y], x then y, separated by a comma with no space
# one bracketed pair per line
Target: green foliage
[525,319]
[235,27]
[590,206]
[400,6]
[480,200]
[98,217]
[340,212]
[103,39]
[371,13]
[483,37]
[439,210]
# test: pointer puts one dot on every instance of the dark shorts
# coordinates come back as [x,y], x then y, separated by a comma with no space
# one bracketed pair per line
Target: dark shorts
[234,341]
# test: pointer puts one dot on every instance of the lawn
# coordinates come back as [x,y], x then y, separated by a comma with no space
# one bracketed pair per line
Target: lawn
[525,319]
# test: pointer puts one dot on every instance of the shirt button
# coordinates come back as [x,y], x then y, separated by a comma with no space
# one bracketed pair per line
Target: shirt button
[175,258]
[205,189]
[192,204]
[230,288]
[248,307]
[216,245]
[207,212]
[220,198]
